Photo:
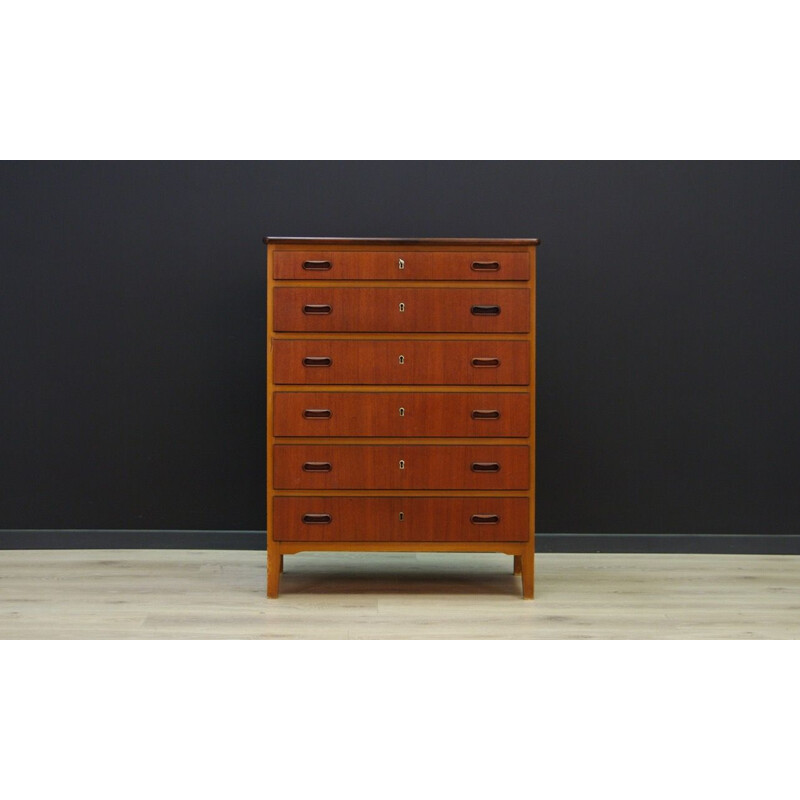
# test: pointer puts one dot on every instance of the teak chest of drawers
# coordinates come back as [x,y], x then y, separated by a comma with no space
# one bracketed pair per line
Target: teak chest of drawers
[400,397]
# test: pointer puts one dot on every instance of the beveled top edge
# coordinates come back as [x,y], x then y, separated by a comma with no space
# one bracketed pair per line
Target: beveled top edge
[434,242]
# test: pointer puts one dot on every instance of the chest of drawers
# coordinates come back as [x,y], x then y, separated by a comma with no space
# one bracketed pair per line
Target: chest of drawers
[400,397]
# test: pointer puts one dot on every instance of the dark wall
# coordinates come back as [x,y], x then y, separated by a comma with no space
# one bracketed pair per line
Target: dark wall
[132,333]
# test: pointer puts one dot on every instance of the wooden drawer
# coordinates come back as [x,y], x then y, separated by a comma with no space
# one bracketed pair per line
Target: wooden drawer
[420,265]
[409,310]
[400,519]
[401,414]
[346,466]
[408,361]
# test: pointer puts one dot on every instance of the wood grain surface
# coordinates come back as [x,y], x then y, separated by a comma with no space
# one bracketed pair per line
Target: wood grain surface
[406,466]
[401,414]
[477,518]
[202,594]
[401,361]
[405,310]
[375,264]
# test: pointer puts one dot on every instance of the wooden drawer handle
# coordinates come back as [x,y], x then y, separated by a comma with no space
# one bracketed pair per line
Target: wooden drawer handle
[317,266]
[312,308]
[486,311]
[479,414]
[484,519]
[316,519]
[317,361]
[485,362]
[317,413]
[317,466]
[486,266]
[485,466]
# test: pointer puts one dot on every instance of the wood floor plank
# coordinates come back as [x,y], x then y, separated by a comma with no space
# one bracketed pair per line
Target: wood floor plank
[192,594]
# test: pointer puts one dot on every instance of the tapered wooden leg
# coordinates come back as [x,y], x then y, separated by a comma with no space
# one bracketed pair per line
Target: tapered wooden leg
[273,572]
[527,573]
[281,562]
[517,565]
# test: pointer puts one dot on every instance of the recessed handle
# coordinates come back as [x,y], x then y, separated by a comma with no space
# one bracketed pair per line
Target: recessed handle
[317,361]
[317,308]
[316,519]
[317,266]
[485,414]
[484,519]
[317,466]
[485,466]
[486,266]
[485,362]
[486,311]
[317,413]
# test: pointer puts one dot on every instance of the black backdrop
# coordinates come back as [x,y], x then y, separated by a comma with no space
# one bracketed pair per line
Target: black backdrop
[132,335]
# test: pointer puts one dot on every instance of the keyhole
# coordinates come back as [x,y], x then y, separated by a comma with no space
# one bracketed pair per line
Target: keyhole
[402,412]
[402,516]
[402,306]
[402,464]
[401,359]
[401,264]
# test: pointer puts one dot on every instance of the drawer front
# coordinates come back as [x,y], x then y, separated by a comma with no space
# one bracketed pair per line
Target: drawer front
[441,265]
[401,361]
[401,414]
[344,466]
[412,310]
[400,519]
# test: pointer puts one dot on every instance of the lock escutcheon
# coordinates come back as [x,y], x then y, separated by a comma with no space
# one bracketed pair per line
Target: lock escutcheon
[401,359]
[402,306]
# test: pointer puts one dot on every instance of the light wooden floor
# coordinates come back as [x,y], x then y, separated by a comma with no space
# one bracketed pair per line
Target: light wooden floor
[189,594]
